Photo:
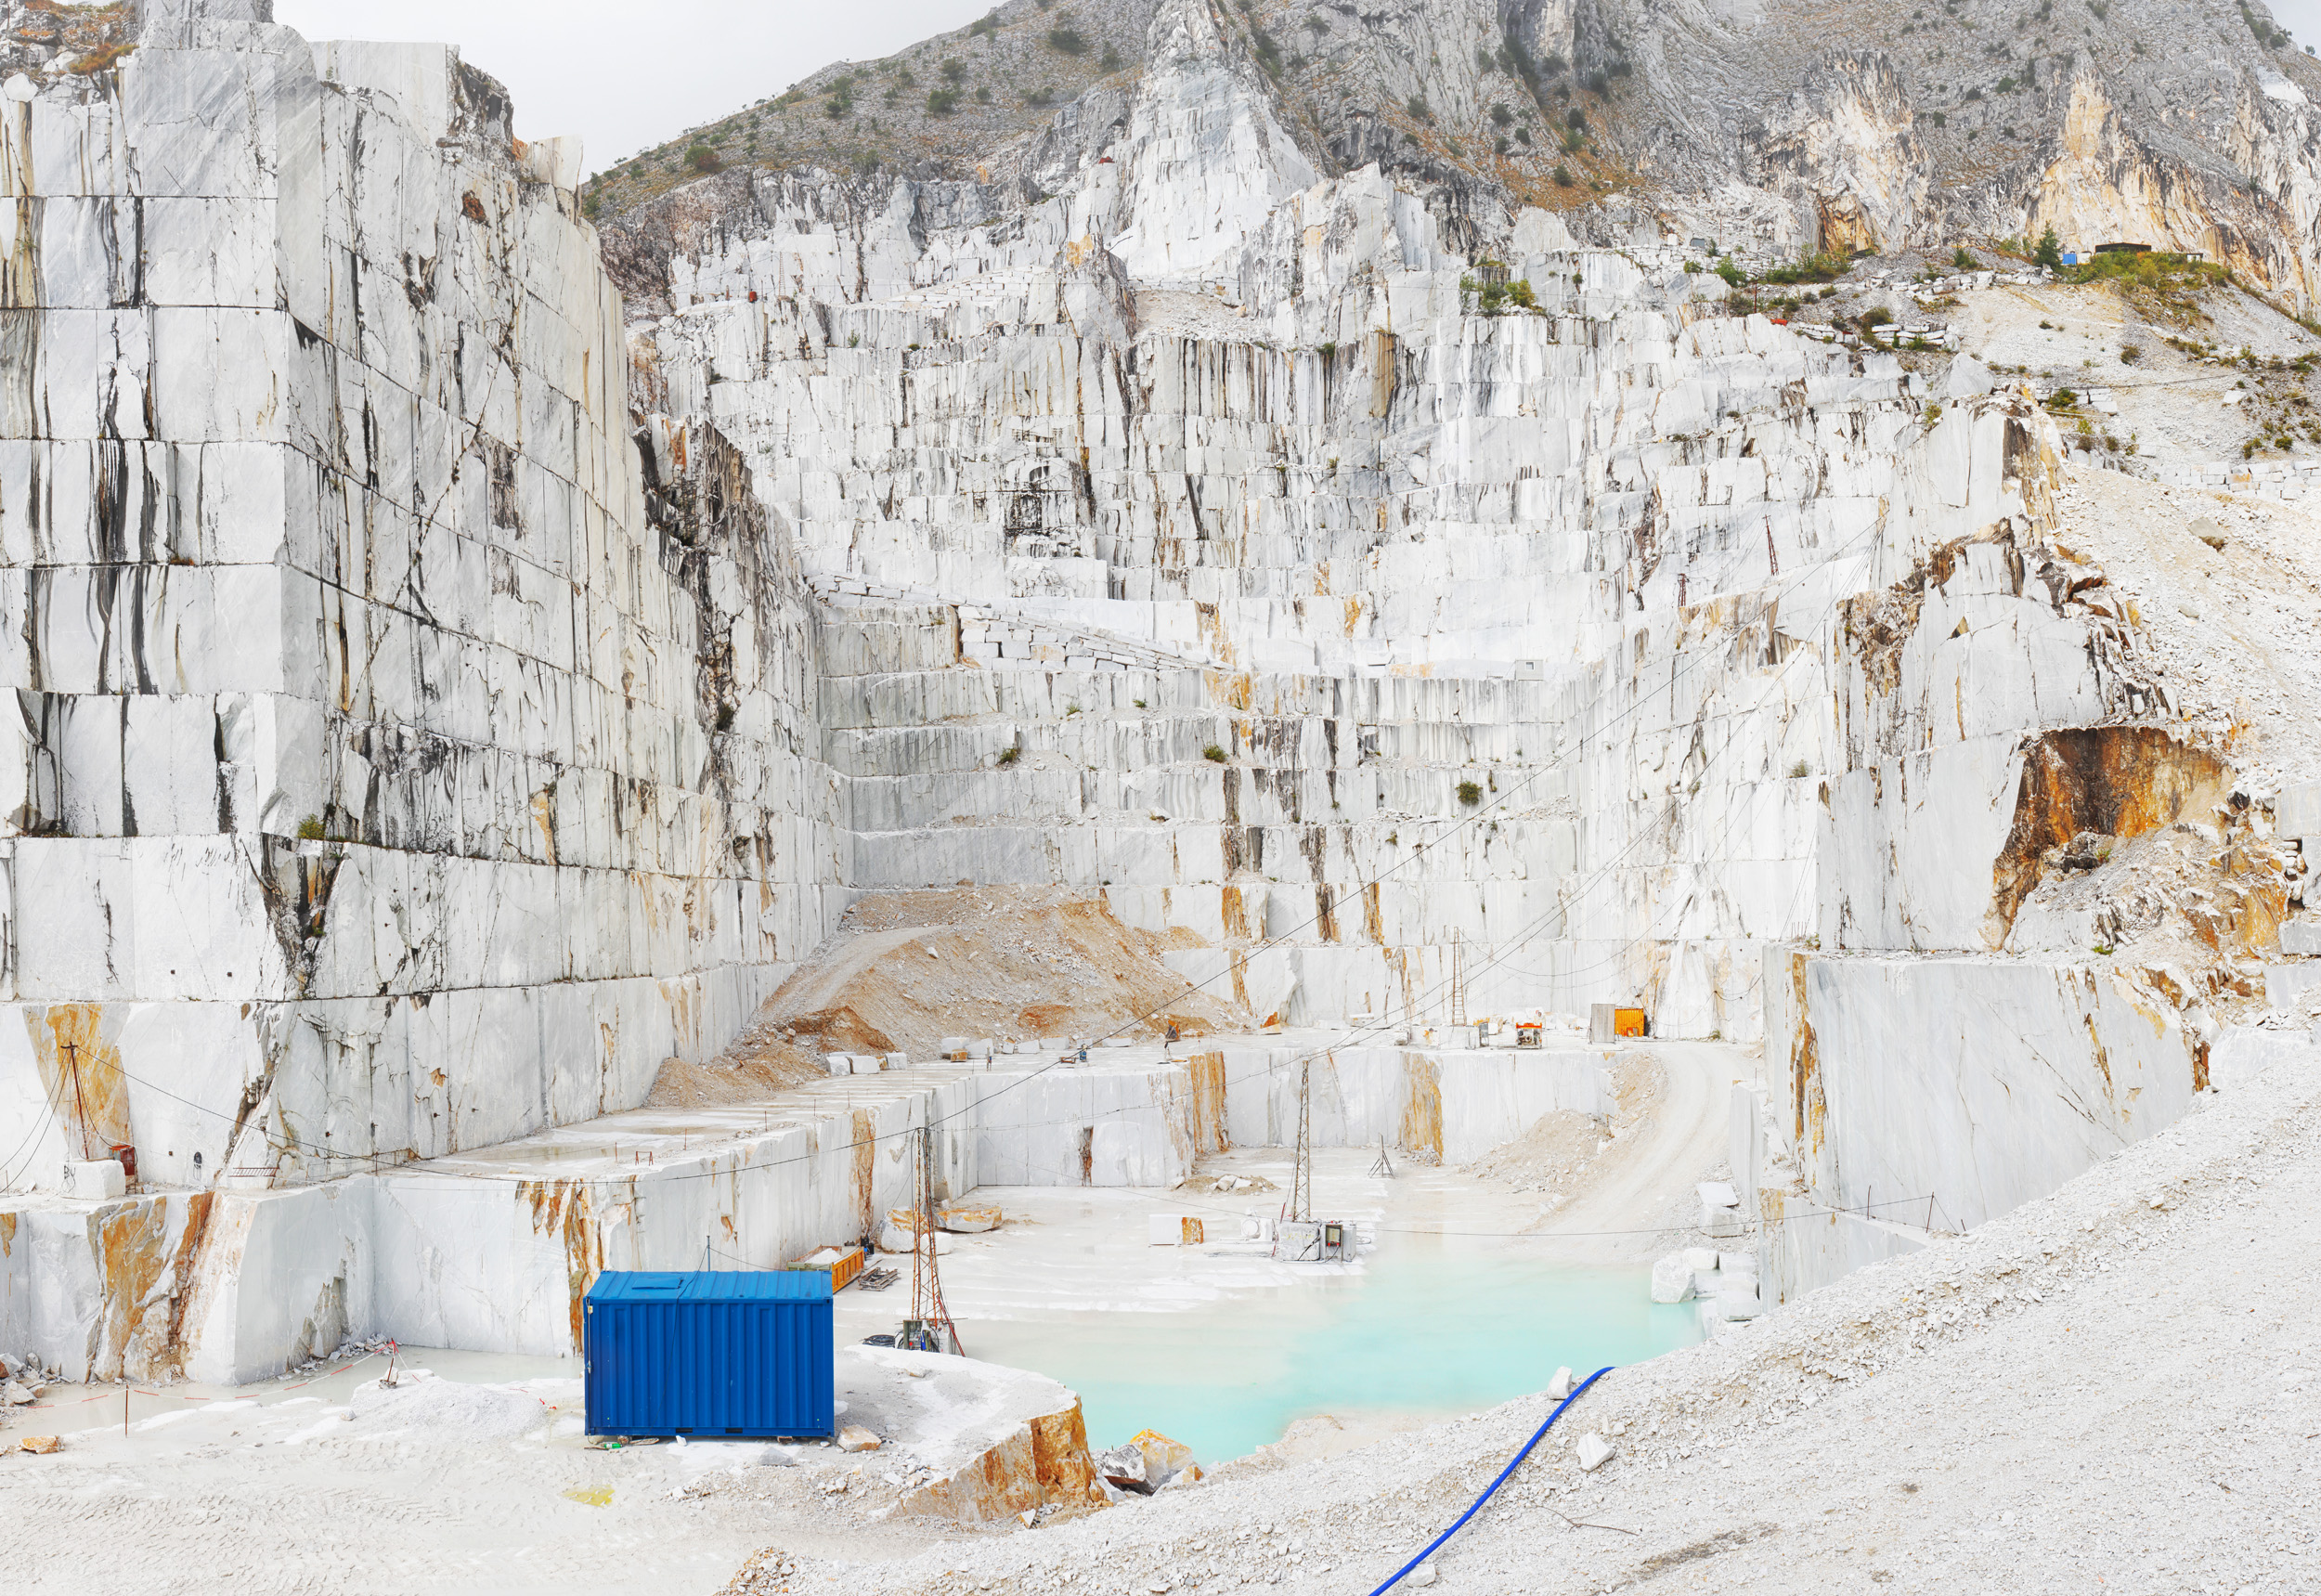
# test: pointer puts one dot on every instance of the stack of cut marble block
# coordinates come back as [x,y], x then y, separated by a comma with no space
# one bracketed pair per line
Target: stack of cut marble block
[363,804]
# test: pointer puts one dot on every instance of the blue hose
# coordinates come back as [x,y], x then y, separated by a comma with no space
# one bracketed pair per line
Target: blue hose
[1513,1464]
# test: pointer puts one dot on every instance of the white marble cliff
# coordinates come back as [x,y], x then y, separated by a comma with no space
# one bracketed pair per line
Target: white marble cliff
[418,746]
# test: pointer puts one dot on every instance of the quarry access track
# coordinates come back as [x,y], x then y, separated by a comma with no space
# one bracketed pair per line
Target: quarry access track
[1650,1173]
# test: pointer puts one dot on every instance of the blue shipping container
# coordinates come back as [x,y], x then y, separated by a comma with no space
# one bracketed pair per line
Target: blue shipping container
[710,1353]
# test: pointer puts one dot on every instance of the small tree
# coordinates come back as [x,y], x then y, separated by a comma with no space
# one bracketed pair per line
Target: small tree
[701,157]
[2049,250]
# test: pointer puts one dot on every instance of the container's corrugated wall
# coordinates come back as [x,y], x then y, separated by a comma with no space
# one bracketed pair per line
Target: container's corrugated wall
[710,1355]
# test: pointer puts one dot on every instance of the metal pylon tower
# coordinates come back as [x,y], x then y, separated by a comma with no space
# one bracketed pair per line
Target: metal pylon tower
[1302,1174]
[1458,976]
[929,1327]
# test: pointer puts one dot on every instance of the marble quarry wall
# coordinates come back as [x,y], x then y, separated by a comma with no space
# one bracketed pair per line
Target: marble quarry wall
[1333,611]
[1327,617]
[395,768]
[448,689]
[494,1252]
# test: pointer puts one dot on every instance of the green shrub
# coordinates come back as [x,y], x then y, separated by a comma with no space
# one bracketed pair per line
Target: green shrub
[1067,41]
[1826,267]
[953,69]
[1562,175]
[1470,793]
[1501,116]
[942,101]
[310,829]
[701,157]
[1112,61]
[985,26]
[1420,111]
[1010,755]
[2154,269]
[1214,754]
[1962,261]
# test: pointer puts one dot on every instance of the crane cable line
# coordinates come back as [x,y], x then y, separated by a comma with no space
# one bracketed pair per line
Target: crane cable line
[1505,950]
[1687,663]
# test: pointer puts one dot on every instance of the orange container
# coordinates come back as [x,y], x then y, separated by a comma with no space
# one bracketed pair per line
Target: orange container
[1628,1022]
[843,1269]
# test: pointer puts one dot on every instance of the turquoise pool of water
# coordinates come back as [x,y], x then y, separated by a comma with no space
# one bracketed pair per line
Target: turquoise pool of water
[1430,1327]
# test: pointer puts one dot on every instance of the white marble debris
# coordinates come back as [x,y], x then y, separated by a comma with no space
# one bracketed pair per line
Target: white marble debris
[1592,1451]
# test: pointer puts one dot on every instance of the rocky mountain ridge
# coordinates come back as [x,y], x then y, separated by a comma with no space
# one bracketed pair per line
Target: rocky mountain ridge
[1779,128]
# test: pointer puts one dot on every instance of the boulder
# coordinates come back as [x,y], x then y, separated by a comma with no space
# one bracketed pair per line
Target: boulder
[1672,1278]
[1592,1451]
[97,1180]
[1561,1386]
[996,1441]
[969,1218]
[1164,1457]
[854,1438]
[1124,1468]
[1966,379]
[895,1238]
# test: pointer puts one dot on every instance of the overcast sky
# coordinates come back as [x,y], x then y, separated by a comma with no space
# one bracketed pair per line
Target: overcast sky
[2301,18]
[626,75]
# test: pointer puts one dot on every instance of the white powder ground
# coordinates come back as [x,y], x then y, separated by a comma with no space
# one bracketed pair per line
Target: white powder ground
[448,1408]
